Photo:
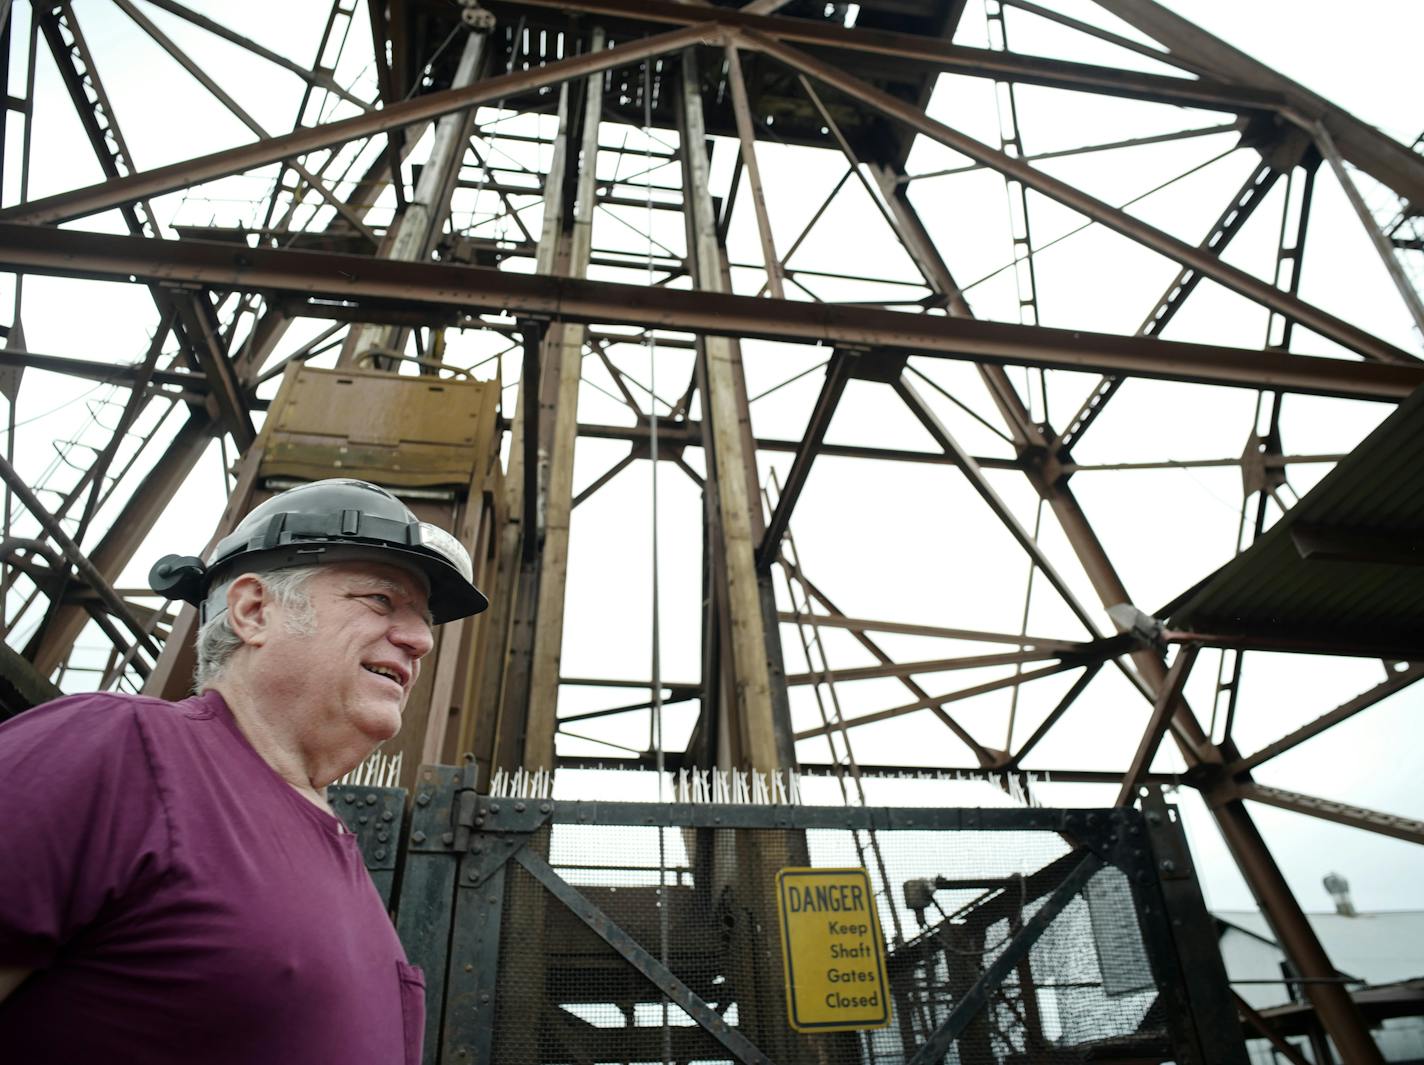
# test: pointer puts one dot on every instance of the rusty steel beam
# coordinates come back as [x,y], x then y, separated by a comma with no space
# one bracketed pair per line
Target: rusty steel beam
[913,52]
[906,669]
[1119,221]
[1014,760]
[680,434]
[1363,701]
[1260,1024]
[132,525]
[837,376]
[746,134]
[1405,828]
[1167,696]
[905,628]
[980,484]
[332,280]
[985,756]
[1383,158]
[85,568]
[92,199]
[933,701]
[125,373]
[320,78]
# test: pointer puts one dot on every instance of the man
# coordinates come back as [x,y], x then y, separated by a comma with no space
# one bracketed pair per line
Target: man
[173,885]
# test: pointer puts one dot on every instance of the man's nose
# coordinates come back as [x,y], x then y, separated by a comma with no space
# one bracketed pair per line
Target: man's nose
[413,633]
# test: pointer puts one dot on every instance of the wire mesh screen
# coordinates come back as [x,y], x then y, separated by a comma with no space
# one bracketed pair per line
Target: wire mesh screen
[703,901]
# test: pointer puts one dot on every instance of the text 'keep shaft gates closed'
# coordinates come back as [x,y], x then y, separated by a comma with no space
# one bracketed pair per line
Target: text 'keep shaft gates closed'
[832,949]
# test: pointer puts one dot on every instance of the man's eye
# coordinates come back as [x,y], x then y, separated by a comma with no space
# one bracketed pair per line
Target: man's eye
[383,601]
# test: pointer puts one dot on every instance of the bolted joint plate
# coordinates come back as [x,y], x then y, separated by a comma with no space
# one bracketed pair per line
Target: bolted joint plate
[511,815]
[486,855]
[432,810]
[374,816]
[1169,855]
[1117,835]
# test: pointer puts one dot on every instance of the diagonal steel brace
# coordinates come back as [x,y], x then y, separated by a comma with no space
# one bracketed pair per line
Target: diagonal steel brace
[940,1040]
[739,1046]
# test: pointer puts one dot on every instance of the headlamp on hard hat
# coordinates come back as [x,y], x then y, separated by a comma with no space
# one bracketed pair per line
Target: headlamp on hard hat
[445,545]
[324,522]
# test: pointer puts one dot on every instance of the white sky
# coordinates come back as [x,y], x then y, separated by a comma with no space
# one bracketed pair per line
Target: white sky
[889,541]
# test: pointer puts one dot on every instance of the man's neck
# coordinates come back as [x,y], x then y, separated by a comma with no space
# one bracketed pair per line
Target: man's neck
[270,735]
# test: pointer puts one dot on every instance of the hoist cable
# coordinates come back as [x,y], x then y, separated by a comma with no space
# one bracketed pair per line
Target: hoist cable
[665,899]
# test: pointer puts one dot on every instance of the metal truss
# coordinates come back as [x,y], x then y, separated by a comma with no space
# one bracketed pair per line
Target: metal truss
[564,147]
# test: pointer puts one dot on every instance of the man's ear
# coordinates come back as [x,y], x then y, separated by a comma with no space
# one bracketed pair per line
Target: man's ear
[249,609]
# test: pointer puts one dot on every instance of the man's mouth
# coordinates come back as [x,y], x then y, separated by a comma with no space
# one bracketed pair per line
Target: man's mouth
[385,671]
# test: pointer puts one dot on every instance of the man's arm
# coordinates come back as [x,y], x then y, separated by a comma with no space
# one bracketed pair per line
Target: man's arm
[11,979]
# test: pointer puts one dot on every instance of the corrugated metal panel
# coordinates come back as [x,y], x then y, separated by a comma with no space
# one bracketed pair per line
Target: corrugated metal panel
[1271,593]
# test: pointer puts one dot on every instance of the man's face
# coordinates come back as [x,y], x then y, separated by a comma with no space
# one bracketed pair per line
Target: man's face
[350,676]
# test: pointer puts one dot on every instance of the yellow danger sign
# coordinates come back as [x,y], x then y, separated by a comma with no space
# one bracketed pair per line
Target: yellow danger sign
[832,950]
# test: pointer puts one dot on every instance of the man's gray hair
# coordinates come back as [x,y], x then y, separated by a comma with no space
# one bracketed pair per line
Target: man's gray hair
[217,641]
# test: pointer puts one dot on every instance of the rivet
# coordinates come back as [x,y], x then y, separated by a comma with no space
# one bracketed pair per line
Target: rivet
[484,996]
[388,816]
[350,798]
[472,875]
[423,799]
[476,847]
[519,807]
[494,807]
[380,853]
[447,838]
[1168,865]
[363,819]
[370,800]
[382,836]
[545,807]
[469,968]
[479,821]
[417,837]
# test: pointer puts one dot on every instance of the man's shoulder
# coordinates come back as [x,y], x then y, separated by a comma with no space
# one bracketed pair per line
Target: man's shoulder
[106,712]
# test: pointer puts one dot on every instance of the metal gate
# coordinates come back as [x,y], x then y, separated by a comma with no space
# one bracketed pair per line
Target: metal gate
[587,932]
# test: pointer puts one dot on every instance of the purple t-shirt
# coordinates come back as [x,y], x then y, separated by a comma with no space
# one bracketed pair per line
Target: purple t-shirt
[180,902]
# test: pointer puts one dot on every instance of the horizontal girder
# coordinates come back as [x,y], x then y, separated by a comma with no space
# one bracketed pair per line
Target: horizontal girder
[329,280]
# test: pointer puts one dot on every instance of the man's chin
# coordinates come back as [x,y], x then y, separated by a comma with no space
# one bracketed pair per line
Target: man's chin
[381,725]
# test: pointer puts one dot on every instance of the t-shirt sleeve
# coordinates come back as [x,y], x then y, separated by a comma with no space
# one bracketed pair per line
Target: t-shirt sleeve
[82,823]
